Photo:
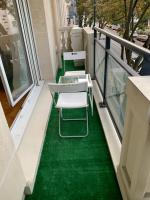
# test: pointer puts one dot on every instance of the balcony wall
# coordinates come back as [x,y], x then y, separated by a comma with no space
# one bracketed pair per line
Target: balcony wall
[134,168]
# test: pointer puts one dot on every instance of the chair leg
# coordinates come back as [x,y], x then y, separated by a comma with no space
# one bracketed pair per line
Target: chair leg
[71,119]
[60,122]
[73,136]
[87,122]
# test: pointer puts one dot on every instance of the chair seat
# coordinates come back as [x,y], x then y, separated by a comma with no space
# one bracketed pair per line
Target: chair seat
[74,73]
[72,100]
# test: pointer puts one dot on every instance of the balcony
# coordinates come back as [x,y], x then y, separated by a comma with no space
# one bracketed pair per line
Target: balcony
[37,163]
[94,160]
[78,168]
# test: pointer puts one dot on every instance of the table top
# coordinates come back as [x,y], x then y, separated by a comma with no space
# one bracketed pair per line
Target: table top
[76,79]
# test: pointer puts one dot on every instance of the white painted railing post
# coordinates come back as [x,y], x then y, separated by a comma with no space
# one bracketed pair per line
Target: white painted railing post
[65,38]
[69,40]
[134,168]
[88,36]
[63,41]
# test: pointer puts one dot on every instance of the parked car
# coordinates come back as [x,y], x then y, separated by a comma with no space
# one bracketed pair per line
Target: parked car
[142,38]
[135,34]
[116,27]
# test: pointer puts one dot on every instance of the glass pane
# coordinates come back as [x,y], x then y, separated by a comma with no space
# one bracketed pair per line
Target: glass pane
[12,50]
[100,65]
[29,39]
[116,85]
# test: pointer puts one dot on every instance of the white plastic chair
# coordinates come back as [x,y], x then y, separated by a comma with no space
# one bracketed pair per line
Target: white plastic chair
[76,55]
[70,96]
[75,73]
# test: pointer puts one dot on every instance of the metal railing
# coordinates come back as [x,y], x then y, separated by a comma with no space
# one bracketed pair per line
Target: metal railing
[111,72]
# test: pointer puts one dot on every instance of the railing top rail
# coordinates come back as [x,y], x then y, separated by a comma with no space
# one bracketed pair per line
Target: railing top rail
[126,43]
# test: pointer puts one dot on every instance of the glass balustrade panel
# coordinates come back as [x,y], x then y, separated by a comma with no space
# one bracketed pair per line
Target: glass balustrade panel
[100,65]
[115,91]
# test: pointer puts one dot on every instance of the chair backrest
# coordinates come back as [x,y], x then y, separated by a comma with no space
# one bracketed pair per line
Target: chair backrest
[68,88]
[76,55]
[75,73]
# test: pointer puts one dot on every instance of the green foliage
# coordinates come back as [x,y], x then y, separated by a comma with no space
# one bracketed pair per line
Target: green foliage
[84,8]
[121,12]
[130,14]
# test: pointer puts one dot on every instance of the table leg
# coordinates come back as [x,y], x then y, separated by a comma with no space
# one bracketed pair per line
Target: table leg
[91,99]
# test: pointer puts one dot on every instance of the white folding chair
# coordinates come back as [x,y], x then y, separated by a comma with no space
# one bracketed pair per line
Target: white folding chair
[76,55]
[70,96]
[75,73]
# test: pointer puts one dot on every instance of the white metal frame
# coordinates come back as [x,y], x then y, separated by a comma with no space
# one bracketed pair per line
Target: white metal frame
[84,77]
[77,119]
[25,37]
[28,35]
[7,87]
[69,88]
[32,39]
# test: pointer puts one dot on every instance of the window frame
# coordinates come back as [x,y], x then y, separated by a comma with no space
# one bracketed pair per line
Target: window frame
[4,79]
[26,25]
[26,30]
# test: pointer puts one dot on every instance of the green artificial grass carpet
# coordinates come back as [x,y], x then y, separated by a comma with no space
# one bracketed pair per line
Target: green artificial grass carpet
[75,169]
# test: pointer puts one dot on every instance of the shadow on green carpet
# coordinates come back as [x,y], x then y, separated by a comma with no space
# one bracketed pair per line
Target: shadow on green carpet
[75,169]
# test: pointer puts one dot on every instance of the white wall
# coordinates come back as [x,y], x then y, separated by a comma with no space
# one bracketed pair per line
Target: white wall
[12,180]
[134,168]
[63,12]
[42,37]
[52,34]
[47,18]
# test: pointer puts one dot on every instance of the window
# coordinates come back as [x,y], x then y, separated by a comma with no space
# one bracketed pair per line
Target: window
[14,64]
[19,67]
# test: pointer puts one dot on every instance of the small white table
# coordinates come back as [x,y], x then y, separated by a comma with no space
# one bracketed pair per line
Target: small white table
[78,79]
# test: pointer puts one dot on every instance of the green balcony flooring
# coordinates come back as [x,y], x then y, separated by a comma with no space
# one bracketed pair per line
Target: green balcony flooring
[75,169]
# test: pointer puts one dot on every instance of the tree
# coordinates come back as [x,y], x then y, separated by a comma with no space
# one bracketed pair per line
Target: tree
[125,12]
[130,14]
[80,11]
[85,12]
[106,11]
[6,5]
[132,9]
